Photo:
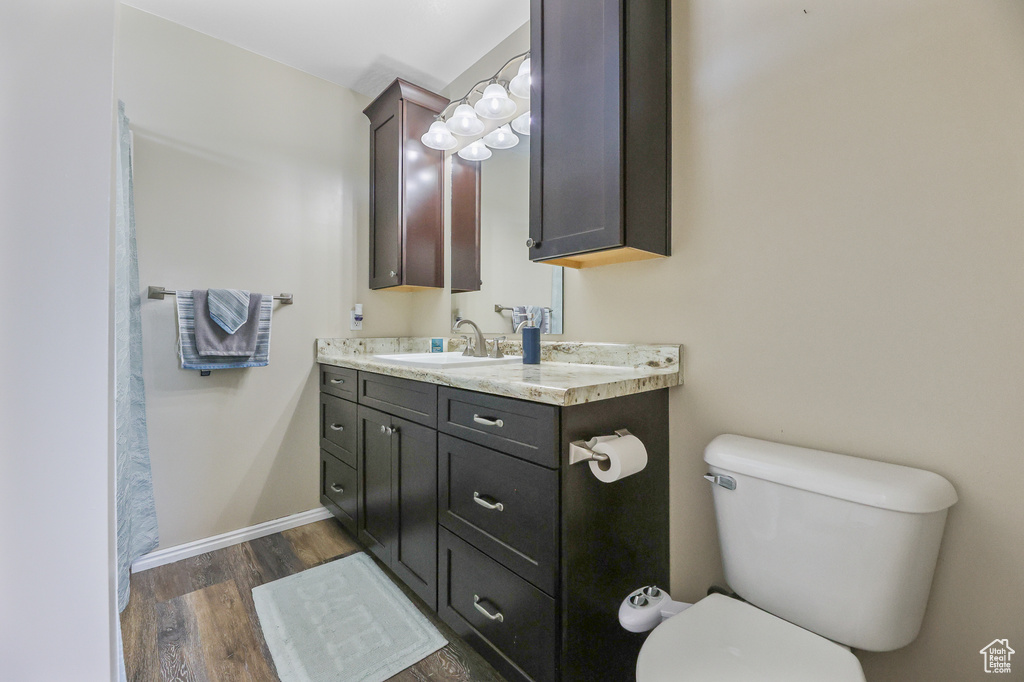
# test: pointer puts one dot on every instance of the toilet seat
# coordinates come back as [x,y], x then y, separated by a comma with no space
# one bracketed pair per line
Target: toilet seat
[720,639]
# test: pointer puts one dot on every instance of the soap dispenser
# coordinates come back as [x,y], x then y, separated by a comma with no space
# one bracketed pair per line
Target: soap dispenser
[531,342]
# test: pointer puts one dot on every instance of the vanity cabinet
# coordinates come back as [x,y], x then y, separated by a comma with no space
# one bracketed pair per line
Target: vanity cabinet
[378,469]
[406,191]
[543,543]
[600,144]
[397,498]
[470,499]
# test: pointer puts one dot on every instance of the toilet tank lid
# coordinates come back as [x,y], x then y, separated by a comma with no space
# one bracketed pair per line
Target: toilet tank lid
[865,481]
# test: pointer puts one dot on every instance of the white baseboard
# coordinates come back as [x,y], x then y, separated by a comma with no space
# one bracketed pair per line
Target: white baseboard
[195,548]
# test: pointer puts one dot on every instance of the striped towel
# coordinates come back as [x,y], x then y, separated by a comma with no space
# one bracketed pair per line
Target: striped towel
[541,316]
[228,307]
[190,357]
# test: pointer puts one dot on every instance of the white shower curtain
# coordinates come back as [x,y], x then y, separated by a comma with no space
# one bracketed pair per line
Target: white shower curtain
[135,509]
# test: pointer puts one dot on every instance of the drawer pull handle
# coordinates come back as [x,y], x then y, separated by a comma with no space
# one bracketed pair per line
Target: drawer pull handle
[337,427]
[488,422]
[337,381]
[496,616]
[487,505]
[337,488]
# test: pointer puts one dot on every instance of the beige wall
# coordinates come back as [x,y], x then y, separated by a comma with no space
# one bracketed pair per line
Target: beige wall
[848,274]
[57,599]
[248,174]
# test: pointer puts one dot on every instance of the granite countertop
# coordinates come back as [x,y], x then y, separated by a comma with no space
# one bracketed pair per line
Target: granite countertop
[570,373]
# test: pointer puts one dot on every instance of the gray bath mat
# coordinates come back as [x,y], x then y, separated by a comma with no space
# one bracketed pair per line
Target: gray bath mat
[344,621]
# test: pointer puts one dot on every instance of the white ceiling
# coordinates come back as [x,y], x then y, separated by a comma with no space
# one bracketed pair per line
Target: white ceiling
[360,44]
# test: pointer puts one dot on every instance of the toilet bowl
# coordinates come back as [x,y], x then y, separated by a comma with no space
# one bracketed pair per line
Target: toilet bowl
[829,551]
[721,639]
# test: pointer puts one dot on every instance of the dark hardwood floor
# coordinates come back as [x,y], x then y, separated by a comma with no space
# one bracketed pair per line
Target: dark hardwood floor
[194,620]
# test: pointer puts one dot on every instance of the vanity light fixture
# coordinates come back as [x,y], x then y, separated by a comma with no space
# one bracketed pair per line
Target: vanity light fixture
[521,124]
[520,85]
[475,151]
[463,122]
[495,102]
[439,137]
[500,138]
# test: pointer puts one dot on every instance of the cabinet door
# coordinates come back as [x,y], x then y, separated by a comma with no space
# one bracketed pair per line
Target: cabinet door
[376,519]
[385,203]
[599,159]
[414,493]
[577,193]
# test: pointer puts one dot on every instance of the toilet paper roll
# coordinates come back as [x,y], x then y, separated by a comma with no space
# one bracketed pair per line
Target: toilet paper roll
[626,456]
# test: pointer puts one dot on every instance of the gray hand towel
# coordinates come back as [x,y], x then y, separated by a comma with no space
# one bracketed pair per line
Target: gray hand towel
[228,307]
[212,340]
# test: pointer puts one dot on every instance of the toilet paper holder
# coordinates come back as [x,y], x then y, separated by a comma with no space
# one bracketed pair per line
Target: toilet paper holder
[580,450]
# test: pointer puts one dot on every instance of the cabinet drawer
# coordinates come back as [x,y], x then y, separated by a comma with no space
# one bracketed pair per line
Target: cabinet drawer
[338,381]
[338,489]
[412,400]
[338,428]
[522,643]
[502,505]
[520,428]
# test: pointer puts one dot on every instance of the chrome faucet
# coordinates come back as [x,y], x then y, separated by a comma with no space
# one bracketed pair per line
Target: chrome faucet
[477,349]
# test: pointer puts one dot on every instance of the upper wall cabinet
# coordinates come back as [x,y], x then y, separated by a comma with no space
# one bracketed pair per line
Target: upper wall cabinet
[599,175]
[406,206]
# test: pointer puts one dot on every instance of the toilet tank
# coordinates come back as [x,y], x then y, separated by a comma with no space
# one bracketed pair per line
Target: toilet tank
[842,546]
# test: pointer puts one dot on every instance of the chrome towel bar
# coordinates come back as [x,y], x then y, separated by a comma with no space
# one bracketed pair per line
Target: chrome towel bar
[160,292]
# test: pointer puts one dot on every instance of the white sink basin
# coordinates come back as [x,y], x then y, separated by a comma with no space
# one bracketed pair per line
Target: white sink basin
[446,360]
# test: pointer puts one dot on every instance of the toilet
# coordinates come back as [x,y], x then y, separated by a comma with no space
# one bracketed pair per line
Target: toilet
[828,552]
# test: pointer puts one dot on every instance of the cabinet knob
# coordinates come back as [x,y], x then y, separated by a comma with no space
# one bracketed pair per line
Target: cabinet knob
[530,243]
[392,273]
[383,429]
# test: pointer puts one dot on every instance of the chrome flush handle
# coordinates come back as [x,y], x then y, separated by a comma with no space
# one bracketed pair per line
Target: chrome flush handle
[727,482]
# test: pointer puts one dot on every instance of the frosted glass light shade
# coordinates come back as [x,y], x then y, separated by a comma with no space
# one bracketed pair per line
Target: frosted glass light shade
[476,151]
[500,138]
[465,122]
[495,103]
[521,124]
[439,137]
[520,85]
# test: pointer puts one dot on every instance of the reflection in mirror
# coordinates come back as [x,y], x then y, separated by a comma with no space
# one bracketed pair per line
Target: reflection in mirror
[493,280]
[507,276]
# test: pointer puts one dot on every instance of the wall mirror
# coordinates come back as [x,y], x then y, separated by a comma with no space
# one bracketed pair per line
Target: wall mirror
[488,216]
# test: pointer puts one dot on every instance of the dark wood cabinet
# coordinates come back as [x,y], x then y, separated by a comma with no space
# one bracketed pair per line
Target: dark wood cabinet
[465,220]
[564,549]
[406,206]
[600,144]
[469,499]
[397,493]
